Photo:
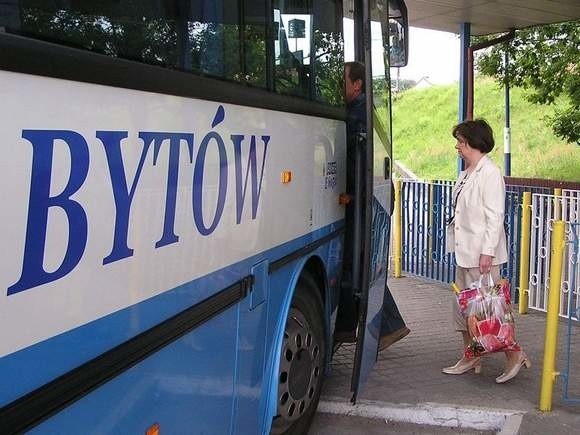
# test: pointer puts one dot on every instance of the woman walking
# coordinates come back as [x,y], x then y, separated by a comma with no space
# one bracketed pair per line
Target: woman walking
[476,232]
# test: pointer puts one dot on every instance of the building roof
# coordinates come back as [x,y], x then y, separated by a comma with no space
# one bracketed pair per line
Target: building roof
[489,16]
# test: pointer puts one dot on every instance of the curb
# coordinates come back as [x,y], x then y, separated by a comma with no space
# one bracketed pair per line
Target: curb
[507,422]
[512,425]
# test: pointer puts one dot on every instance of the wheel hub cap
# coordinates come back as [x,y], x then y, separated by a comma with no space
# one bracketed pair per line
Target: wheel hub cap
[300,367]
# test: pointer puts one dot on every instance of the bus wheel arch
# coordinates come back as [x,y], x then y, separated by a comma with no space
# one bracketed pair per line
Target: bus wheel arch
[302,352]
[315,268]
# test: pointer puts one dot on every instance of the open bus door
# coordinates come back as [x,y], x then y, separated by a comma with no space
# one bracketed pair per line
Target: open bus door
[384,44]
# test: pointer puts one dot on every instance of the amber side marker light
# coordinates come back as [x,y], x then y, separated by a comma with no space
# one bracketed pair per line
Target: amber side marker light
[153,429]
[286,177]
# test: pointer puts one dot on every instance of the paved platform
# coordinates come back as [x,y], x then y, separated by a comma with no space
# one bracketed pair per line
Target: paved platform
[409,372]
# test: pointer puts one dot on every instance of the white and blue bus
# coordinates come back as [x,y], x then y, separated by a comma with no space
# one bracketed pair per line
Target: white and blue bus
[172,239]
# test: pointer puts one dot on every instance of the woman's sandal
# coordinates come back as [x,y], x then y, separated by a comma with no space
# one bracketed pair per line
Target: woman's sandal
[464,365]
[523,361]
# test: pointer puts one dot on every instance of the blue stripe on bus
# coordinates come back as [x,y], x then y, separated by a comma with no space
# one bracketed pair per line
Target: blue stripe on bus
[38,364]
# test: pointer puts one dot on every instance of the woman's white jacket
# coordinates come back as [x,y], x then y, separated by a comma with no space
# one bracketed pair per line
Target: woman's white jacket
[478,224]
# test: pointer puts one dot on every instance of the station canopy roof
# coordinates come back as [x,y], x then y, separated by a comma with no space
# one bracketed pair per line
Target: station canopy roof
[489,16]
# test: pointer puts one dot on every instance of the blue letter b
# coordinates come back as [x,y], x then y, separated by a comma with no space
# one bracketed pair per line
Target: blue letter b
[33,273]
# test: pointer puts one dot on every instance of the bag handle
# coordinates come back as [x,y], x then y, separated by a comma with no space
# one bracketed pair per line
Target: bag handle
[489,280]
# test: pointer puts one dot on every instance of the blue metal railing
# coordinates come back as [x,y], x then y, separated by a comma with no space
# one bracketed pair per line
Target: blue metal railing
[426,209]
[512,224]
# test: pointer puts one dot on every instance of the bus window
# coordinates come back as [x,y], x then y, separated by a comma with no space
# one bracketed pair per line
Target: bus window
[308,42]
[329,52]
[292,45]
[200,36]
[254,48]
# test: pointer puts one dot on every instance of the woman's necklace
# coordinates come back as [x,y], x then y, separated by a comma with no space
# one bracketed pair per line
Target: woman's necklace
[460,187]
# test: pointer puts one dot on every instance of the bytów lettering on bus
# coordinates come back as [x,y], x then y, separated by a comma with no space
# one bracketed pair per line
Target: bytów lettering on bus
[123,190]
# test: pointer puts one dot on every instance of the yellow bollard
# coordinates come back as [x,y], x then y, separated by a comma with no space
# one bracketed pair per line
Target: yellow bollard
[525,253]
[548,373]
[557,204]
[398,223]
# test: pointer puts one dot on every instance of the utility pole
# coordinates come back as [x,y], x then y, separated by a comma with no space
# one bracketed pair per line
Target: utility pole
[507,170]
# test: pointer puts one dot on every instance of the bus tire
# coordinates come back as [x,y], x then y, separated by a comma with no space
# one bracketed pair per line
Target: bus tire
[302,360]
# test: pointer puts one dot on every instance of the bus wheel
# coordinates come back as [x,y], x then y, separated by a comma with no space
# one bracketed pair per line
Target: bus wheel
[302,361]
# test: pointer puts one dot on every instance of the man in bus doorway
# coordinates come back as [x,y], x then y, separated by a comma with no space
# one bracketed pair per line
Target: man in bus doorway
[392,325]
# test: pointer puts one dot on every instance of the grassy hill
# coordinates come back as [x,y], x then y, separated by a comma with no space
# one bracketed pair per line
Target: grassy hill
[422,141]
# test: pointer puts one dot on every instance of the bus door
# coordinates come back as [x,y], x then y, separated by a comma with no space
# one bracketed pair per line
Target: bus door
[376,177]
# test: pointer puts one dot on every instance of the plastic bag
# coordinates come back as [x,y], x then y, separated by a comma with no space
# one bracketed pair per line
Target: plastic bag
[489,317]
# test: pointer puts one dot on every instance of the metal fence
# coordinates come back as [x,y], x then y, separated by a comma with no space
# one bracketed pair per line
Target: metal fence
[545,210]
[426,209]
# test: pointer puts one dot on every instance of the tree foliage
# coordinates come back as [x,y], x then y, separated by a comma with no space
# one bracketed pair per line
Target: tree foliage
[329,67]
[545,60]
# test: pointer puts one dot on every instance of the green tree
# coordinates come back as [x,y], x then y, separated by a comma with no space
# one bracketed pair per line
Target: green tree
[545,60]
[329,67]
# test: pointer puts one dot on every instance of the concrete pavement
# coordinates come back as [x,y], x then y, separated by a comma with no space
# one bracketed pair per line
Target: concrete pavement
[408,374]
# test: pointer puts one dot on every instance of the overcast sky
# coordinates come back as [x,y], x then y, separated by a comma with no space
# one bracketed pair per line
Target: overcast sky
[432,54]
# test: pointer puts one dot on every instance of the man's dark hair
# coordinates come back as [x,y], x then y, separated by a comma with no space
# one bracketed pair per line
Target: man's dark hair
[356,71]
[478,134]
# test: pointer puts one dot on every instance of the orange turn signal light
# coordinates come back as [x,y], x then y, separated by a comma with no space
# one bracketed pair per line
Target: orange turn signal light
[154,429]
[286,177]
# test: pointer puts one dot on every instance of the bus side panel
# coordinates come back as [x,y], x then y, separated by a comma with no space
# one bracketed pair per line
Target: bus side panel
[192,385]
[253,330]
[227,217]
[186,387]
[90,340]
[152,275]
